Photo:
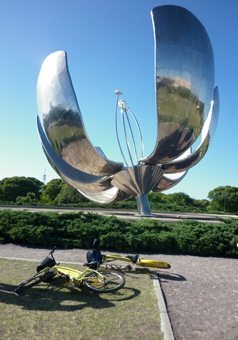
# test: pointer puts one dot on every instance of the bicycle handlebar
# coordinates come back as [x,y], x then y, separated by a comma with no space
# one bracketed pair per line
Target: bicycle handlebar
[52,251]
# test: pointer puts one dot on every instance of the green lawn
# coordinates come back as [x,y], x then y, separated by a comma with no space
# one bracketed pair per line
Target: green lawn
[46,312]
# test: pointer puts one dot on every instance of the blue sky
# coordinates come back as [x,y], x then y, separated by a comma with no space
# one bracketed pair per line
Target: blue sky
[109,45]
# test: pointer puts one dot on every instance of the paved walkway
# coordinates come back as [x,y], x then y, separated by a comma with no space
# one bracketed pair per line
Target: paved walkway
[202,297]
[201,292]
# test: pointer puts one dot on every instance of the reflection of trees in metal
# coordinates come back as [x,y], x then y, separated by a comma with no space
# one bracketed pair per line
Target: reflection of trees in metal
[179,102]
[57,125]
[187,111]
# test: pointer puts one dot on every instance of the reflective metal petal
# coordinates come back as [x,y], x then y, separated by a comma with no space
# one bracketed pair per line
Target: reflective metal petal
[96,188]
[60,165]
[206,136]
[184,80]
[140,179]
[106,196]
[63,122]
[168,182]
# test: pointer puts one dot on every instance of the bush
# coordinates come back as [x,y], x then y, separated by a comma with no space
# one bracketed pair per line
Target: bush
[78,230]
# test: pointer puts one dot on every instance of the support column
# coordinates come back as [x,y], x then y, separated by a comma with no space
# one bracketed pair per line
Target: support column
[143,205]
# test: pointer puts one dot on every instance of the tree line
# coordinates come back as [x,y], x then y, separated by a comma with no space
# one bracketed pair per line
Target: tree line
[31,191]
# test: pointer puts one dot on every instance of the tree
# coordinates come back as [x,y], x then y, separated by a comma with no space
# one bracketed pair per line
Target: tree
[201,204]
[180,198]
[156,197]
[13,187]
[224,198]
[69,195]
[51,190]
[29,199]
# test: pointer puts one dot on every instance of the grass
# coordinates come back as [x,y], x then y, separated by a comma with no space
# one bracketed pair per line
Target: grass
[49,312]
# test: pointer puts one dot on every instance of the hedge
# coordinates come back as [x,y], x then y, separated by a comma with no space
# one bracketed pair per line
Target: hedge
[77,230]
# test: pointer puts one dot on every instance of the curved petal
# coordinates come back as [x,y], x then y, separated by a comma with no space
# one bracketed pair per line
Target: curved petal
[167,182]
[96,188]
[108,196]
[184,80]
[206,134]
[63,122]
[139,179]
[60,165]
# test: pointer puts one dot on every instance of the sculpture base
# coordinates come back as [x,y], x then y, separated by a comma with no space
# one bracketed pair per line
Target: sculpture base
[143,205]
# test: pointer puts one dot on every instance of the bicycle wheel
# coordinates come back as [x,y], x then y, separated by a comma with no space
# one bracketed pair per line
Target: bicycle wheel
[107,282]
[33,281]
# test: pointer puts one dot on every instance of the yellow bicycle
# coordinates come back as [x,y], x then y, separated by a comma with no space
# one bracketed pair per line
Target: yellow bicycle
[91,279]
[134,260]
[95,256]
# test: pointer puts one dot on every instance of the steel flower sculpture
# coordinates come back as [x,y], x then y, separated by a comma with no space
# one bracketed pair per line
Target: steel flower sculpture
[187,112]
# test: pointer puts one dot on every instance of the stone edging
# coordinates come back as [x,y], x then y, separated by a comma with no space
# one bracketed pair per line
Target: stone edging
[164,318]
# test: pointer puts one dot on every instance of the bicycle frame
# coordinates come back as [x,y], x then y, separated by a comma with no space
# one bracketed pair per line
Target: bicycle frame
[113,257]
[136,260]
[95,256]
[76,276]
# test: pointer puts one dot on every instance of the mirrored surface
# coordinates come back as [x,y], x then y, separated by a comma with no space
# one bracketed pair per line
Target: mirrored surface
[62,119]
[184,80]
[206,138]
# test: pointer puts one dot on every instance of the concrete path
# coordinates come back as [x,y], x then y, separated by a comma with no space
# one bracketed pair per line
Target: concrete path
[201,293]
[202,297]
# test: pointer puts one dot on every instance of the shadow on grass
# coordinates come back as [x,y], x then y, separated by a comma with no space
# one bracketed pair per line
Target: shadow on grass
[52,298]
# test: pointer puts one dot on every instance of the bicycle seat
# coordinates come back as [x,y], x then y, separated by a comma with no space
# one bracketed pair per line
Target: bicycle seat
[47,262]
[133,258]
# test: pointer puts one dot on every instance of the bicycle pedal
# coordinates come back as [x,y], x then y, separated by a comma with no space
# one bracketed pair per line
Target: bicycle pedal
[129,268]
